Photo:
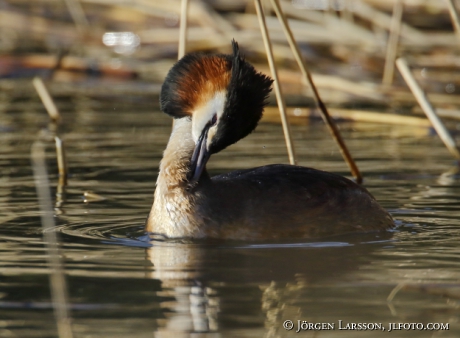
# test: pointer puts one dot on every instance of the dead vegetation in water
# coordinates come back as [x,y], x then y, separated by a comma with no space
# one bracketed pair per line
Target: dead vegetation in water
[135,42]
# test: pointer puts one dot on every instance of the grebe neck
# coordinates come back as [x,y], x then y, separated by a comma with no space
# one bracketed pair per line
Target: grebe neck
[175,165]
[172,212]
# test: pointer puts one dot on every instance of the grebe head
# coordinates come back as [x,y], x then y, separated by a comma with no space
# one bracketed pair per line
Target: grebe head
[222,94]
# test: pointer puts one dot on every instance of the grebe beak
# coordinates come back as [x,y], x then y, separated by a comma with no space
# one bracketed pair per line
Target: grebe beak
[200,157]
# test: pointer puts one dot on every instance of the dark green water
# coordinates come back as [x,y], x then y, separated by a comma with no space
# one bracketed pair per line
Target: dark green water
[122,285]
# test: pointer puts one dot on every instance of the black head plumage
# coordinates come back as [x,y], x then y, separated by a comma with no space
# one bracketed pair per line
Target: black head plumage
[247,95]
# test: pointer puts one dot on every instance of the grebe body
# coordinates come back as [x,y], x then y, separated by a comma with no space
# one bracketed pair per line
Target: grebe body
[217,100]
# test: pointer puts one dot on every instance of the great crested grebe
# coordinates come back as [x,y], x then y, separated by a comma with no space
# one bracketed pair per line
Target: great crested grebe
[216,101]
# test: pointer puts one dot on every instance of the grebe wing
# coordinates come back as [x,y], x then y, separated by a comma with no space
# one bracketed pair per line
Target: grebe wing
[311,201]
[289,177]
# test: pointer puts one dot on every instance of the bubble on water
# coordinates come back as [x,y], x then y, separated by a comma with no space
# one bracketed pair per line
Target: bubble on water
[121,42]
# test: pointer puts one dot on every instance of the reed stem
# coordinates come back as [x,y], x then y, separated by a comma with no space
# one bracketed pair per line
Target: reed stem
[78,15]
[61,161]
[183,28]
[442,131]
[46,98]
[324,112]
[58,284]
[454,16]
[276,83]
[392,45]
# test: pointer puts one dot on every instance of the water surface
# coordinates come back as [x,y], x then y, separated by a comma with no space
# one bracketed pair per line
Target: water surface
[122,285]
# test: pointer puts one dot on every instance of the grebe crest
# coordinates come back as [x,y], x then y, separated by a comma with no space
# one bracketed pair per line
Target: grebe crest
[217,100]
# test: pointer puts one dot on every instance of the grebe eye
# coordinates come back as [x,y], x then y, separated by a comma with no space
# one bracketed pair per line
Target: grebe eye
[214,120]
